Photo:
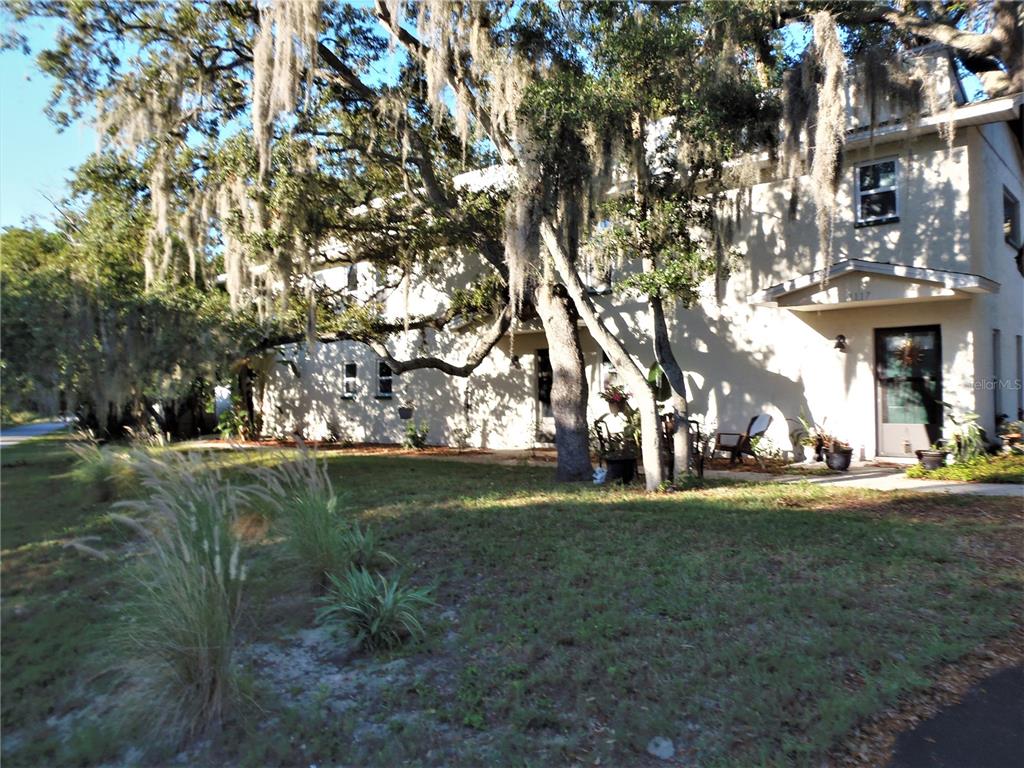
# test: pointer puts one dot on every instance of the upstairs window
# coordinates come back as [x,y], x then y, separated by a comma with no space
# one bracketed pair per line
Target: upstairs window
[876,195]
[385,379]
[350,380]
[1011,218]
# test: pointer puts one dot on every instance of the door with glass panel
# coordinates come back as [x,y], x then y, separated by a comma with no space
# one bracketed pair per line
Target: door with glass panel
[908,387]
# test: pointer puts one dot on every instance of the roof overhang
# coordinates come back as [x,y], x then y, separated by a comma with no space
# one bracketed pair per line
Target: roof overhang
[860,283]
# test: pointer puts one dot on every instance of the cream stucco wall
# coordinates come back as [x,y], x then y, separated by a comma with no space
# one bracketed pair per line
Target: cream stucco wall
[740,359]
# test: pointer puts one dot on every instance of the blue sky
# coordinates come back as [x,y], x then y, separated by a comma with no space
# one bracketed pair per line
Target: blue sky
[35,160]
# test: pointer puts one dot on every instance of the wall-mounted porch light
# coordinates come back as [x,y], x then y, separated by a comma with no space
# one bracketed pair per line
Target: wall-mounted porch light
[840,343]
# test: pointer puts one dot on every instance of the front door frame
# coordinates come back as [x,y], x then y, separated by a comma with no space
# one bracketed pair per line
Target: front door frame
[879,334]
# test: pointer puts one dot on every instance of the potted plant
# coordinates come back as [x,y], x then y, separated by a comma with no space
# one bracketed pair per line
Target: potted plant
[838,454]
[1010,433]
[617,398]
[813,436]
[405,411]
[934,457]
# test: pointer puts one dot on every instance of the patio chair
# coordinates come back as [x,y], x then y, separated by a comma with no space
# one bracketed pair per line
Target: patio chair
[738,443]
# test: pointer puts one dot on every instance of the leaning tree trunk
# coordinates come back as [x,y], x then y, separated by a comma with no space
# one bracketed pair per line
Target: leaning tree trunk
[634,377]
[674,374]
[568,385]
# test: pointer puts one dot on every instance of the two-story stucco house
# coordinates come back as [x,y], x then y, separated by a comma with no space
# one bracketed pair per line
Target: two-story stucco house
[920,315]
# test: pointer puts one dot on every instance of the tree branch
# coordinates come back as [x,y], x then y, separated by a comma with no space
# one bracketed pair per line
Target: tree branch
[483,347]
[420,52]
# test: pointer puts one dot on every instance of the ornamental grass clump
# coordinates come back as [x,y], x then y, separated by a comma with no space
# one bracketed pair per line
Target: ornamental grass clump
[186,594]
[105,470]
[316,532]
[377,611]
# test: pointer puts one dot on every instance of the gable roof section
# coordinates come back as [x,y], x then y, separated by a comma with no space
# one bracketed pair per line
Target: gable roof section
[858,282]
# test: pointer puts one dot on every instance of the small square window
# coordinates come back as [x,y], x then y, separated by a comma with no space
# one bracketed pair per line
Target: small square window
[350,380]
[876,194]
[385,380]
[1011,218]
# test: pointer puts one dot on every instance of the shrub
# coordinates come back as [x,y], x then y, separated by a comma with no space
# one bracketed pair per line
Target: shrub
[460,438]
[316,533]
[377,611]
[363,548]
[765,449]
[102,468]
[186,591]
[292,477]
[416,435]
[1002,468]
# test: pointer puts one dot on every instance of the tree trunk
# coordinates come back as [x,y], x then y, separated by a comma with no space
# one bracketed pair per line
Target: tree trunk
[674,374]
[568,385]
[634,377]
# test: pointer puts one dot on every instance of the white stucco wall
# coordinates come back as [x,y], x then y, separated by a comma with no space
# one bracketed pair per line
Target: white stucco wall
[996,162]
[740,359]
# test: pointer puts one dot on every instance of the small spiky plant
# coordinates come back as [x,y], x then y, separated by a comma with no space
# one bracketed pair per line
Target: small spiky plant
[377,611]
[363,548]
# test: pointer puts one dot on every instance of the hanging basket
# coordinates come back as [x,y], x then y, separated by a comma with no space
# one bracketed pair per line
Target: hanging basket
[405,412]
[615,407]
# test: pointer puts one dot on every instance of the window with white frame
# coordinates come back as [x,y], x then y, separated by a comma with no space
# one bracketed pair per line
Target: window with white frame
[350,379]
[877,193]
[1011,218]
[385,379]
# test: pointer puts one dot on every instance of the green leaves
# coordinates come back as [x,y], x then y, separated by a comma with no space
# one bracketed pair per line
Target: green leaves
[379,612]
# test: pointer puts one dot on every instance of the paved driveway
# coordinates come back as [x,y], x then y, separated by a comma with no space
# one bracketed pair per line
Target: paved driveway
[15,435]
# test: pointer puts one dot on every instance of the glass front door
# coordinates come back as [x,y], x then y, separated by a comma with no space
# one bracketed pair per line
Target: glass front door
[908,376]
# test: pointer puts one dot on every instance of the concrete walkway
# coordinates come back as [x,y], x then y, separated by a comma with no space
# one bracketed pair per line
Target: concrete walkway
[15,435]
[875,478]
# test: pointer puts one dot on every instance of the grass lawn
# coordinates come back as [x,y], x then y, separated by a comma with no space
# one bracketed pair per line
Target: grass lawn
[752,625]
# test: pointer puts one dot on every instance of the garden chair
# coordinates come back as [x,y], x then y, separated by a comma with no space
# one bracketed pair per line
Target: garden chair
[738,443]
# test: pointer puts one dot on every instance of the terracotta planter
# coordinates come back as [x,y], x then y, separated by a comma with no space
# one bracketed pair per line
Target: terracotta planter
[839,459]
[932,459]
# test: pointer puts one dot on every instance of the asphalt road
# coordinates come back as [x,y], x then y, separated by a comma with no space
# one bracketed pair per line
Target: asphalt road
[985,730]
[15,435]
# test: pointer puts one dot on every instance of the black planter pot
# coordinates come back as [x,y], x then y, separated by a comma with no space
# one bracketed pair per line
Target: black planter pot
[932,459]
[405,412]
[839,460]
[819,449]
[622,468]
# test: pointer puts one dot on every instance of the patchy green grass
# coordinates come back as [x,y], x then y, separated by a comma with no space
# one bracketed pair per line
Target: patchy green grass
[1001,468]
[57,607]
[753,625]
